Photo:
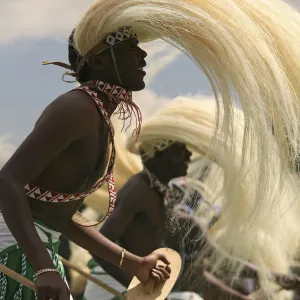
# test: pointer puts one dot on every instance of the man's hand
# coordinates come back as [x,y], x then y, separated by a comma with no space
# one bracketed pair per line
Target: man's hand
[50,285]
[148,268]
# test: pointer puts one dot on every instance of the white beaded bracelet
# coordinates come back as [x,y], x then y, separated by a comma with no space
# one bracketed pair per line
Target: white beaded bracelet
[45,270]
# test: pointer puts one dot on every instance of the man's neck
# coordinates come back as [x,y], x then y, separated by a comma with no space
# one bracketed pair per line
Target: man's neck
[161,176]
[108,105]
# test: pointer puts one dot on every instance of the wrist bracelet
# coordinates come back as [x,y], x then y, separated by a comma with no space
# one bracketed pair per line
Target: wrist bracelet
[39,272]
[122,258]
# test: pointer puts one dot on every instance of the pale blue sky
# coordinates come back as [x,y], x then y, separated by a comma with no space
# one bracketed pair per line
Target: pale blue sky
[31,32]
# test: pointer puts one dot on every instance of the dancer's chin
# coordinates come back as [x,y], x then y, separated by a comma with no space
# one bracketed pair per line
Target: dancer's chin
[138,87]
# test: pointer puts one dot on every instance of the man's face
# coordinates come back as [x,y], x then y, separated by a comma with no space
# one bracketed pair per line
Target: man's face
[176,158]
[130,59]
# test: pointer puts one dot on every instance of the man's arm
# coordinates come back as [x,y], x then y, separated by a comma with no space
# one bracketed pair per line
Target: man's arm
[132,200]
[99,246]
[64,122]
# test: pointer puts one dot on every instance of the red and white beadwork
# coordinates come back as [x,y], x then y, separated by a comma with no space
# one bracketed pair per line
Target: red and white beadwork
[113,92]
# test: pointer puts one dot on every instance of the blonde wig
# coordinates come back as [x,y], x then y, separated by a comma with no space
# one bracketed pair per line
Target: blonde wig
[269,239]
[219,37]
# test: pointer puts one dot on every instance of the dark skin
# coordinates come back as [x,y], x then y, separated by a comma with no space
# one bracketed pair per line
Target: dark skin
[140,213]
[67,151]
[130,57]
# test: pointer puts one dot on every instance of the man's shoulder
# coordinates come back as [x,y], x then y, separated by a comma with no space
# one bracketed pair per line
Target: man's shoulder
[136,187]
[140,181]
[73,106]
[74,101]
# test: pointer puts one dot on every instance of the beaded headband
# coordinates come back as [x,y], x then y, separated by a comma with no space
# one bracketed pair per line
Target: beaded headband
[157,147]
[122,34]
[112,39]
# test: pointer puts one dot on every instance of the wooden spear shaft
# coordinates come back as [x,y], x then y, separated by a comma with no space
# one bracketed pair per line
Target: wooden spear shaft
[92,278]
[17,277]
[26,282]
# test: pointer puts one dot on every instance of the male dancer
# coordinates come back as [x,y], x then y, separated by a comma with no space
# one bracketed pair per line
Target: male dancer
[140,214]
[45,181]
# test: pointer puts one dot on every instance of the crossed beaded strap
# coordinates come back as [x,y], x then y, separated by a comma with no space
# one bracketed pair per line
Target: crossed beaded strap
[38,193]
[118,95]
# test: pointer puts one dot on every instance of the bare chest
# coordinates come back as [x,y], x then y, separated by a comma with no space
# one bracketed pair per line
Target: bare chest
[75,170]
[80,165]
